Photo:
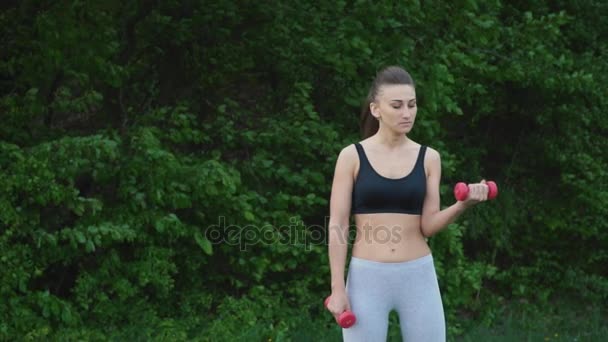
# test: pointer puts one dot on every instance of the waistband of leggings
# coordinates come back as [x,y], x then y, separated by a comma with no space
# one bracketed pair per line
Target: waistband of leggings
[427,259]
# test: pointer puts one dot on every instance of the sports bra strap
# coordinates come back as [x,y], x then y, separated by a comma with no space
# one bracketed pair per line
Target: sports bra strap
[362,157]
[420,156]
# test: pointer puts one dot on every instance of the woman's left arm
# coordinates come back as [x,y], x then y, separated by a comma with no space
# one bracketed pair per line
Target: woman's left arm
[433,219]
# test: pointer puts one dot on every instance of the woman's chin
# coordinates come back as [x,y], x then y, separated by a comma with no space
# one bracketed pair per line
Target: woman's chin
[404,129]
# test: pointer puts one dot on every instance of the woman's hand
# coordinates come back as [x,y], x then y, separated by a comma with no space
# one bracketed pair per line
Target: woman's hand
[478,192]
[338,303]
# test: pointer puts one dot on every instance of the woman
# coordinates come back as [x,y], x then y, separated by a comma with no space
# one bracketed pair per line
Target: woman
[391,186]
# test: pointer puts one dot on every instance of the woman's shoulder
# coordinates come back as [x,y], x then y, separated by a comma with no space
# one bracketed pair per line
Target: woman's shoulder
[348,158]
[348,152]
[431,156]
[431,152]
[364,141]
[427,147]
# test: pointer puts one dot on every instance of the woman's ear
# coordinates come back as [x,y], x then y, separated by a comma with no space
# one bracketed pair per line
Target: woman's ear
[373,108]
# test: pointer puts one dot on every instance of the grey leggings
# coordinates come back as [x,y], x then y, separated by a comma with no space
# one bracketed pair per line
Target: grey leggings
[410,287]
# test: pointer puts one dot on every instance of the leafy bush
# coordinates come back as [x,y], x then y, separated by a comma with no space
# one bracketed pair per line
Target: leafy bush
[133,132]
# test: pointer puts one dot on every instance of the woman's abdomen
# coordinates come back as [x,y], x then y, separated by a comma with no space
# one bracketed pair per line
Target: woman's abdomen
[389,237]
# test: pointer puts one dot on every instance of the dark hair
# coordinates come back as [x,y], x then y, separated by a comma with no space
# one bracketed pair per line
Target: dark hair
[389,75]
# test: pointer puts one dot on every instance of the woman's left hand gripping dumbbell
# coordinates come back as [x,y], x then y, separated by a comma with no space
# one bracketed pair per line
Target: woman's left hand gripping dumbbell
[339,306]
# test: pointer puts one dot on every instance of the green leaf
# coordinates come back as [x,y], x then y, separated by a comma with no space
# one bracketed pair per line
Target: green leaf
[80,236]
[249,216]
[203,243]
[90,246]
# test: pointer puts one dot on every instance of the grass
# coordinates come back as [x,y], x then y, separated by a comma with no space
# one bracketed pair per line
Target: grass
[560,321]
[520,322]
[564,319]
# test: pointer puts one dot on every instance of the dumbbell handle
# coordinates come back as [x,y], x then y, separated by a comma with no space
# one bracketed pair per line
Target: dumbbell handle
[345,319]
[461,190]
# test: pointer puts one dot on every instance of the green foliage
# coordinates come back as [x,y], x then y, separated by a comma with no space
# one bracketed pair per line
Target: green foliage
[132,132]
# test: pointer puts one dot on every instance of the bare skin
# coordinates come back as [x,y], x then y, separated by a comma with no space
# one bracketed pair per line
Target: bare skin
[388,237]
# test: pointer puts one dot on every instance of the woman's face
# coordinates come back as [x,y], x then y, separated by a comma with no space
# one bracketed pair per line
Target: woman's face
[395,107]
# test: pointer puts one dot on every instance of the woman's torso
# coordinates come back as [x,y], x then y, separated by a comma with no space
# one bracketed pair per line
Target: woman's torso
[390,231]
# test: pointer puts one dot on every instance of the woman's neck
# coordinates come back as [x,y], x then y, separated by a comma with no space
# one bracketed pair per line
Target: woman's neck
[390,139]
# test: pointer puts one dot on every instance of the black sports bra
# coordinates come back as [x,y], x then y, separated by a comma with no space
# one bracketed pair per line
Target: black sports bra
[373,193]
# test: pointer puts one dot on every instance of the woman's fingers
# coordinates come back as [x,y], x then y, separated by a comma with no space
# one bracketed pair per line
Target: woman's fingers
[484,190]
[478,191]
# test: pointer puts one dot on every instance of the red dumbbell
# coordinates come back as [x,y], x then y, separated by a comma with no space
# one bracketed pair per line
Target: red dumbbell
[346,319]
[461,190]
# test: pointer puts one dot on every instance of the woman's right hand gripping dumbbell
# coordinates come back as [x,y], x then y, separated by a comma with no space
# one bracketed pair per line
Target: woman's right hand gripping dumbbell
[339,306]
[471,194]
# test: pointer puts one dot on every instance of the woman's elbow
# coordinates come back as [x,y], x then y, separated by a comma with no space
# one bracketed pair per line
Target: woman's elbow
[425,228]
[425,234]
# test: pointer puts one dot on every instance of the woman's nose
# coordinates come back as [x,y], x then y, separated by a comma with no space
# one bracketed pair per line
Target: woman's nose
[407,112]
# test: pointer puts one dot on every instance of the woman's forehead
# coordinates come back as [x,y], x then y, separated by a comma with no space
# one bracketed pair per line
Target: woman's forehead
[401,92]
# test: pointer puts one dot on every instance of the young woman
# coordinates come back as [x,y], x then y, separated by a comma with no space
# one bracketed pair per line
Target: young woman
[391,186]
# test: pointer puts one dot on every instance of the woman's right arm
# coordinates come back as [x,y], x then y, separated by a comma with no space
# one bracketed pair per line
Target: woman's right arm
[339,214]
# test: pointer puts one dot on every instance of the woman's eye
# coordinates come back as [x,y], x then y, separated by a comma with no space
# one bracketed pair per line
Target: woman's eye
[396,107]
